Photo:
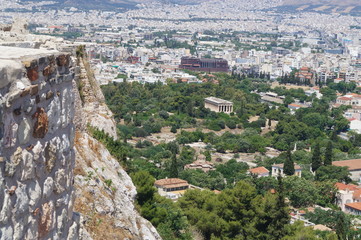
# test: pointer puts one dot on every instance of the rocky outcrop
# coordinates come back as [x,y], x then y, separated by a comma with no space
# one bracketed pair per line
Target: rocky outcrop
[104,192]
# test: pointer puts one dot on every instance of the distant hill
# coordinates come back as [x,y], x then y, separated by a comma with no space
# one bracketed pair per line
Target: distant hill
[325,6]
[109,4]
[323,2]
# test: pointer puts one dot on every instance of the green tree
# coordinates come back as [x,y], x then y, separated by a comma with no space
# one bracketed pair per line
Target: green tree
[208,156]
[174,167]
[173,129]
[333,173]
[300,192]
[342,227]
[328,154]
[281,217]
[289,167]
[316,157]
[144,183]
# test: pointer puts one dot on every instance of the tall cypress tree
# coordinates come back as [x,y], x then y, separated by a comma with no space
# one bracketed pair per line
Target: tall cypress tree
[316,157]
[282,217]
[174,167]
[328,154]
[289,167]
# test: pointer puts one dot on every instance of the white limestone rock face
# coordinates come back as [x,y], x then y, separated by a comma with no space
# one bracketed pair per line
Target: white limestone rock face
[54,111]
[9,70]
[11,129]
[67,104]
[34,193]
[48,187]
[24,132]
[117,202]
[28,171]
[22,200]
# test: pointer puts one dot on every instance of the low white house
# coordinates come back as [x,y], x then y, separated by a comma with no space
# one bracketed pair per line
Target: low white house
[347,193]
[278,169]
[355,125]
[259,172]
[353,165]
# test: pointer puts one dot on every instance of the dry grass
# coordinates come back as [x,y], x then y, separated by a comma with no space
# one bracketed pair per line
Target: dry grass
[100,226]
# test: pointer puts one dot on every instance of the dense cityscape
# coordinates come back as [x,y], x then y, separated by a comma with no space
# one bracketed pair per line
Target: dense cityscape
[149,120]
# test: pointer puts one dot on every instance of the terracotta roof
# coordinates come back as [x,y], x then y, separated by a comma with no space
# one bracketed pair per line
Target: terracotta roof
[357,194]
[342,186]
[354,164]
[297,167]
[354,205]
[344,98]
[259,170]
[170,182]
[294,105]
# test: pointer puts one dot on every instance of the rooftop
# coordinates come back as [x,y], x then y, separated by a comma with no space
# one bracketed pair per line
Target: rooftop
[354,164]
[354,205]
[342,186]
[259,170]
[217,100]
[170,182]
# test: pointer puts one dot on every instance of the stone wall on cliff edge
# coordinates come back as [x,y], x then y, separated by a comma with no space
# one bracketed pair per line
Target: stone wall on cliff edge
[36,145]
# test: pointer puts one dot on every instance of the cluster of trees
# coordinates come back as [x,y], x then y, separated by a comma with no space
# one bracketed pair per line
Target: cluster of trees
[340,222]
[245,209]
[243,213]
[292,79]
[166,216]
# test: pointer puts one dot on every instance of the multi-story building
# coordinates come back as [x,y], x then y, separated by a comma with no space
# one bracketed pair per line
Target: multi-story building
[204,64]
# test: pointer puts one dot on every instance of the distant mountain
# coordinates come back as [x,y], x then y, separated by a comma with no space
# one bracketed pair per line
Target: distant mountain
[340,6]
[91,4]
[323,2]
[109,4]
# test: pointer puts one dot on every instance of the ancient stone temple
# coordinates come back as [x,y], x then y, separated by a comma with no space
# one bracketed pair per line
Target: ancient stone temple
[36,145]
[218,105]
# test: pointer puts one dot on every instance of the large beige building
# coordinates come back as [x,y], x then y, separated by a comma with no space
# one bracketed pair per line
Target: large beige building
[218,105]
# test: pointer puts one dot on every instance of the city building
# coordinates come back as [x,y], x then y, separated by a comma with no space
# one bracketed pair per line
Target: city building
[278,169]
[354,166]
[349,99]
[205,166]
[259,172]
[353,208]
[218,105]
[171,188]
[347,193]
[204,64]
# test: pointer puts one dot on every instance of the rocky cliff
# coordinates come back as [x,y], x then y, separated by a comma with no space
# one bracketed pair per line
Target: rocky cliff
[104,192]
[50,168]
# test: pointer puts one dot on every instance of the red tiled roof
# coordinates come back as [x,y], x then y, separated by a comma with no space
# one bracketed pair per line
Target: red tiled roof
[170,182]
[354,205]
[259,170]
[353,164]
[357,194]
[344,98]
[294,105]
[342,186]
